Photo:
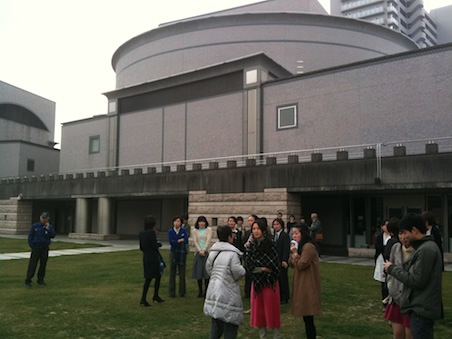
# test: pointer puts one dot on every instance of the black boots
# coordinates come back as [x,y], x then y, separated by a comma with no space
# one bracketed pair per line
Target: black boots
[157,299]
[200,294]
[144,303]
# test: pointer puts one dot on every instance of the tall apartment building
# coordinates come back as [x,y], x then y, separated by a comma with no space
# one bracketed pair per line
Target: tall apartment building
[442,17]
[406,16]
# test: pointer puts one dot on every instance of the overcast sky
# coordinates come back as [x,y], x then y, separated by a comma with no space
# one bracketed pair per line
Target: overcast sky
[62,49]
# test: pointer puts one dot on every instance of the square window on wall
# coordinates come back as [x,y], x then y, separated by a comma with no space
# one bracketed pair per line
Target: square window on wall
[94,144]
[287,116]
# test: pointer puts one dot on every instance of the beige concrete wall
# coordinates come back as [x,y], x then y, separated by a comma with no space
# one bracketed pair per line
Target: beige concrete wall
[15,216]
[221,206]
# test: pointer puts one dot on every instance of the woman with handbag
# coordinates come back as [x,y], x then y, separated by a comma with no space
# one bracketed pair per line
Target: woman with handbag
[151,260]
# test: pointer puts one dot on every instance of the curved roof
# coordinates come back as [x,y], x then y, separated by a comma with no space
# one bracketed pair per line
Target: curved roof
[268,18]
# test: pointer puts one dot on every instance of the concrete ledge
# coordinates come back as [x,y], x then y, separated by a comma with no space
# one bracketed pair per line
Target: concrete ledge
[250,162]
[292,159]
[399,151]
[361,252]
[316,157]
[270,161]
[370,153]
[342,155]
[431,148]
[231,163]
[13,231]
[213,165]
[196,167]
[448,257]
[93,236]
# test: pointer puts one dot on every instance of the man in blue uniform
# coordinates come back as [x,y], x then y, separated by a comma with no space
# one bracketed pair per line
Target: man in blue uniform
[39,241]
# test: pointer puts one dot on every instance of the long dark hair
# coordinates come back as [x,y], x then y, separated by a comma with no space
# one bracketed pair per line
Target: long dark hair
[305,236]
[267,243]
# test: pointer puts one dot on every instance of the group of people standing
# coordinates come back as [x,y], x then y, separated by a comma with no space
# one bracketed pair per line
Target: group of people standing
[409,266]
[262,254]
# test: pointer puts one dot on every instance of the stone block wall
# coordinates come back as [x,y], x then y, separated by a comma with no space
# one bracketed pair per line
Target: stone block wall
[15,216]
[219,207]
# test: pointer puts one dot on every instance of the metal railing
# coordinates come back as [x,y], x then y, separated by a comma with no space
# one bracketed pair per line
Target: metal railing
[375,151]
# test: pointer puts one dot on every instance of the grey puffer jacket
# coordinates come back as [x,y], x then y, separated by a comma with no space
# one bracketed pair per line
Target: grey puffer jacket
[422,278]
[223,300]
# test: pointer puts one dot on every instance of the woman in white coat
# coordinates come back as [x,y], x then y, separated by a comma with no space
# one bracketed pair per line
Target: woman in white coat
[223,302]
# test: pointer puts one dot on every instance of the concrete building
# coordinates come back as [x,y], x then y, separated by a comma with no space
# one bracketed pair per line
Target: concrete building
[27,126]
[160,83]
[406,16]
[442,17]
[273,107]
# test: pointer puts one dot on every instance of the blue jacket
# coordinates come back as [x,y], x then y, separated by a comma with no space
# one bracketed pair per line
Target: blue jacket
[179,249]
[39,236]
[173,238]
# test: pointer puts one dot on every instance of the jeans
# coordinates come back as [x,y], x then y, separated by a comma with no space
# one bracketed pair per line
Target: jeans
[422,328]
[219,327]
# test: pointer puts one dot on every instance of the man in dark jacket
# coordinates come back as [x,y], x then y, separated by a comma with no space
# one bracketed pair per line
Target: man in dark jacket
[39,241]
[421,295]
[282,243]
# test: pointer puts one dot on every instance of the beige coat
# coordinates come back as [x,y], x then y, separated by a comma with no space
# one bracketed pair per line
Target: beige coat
[207,238]
[306,282]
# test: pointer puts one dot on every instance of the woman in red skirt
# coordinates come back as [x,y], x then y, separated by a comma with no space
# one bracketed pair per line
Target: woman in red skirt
[263,263]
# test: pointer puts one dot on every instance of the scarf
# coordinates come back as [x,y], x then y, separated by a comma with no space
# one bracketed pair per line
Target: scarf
[262,254]
[406,253]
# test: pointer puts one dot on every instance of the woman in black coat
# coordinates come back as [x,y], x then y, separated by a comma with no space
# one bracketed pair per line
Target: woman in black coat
[151,260]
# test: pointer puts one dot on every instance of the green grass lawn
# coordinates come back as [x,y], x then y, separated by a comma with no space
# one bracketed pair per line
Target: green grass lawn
[8,245]
[97,296]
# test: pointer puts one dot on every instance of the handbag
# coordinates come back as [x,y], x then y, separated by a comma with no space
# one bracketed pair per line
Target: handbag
[319,237]
[162,264]
[378,273]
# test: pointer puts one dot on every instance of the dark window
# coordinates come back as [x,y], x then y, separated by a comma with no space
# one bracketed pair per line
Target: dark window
[30,165]
[195,90]
[21,115]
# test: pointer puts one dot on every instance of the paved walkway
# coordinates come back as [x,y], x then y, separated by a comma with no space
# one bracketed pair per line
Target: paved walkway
[127,245]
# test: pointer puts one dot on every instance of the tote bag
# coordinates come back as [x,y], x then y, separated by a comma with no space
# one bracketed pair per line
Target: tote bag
[378,273]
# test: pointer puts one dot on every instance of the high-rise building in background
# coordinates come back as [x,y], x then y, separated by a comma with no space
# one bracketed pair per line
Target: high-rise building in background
[442,17]
[406,16]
